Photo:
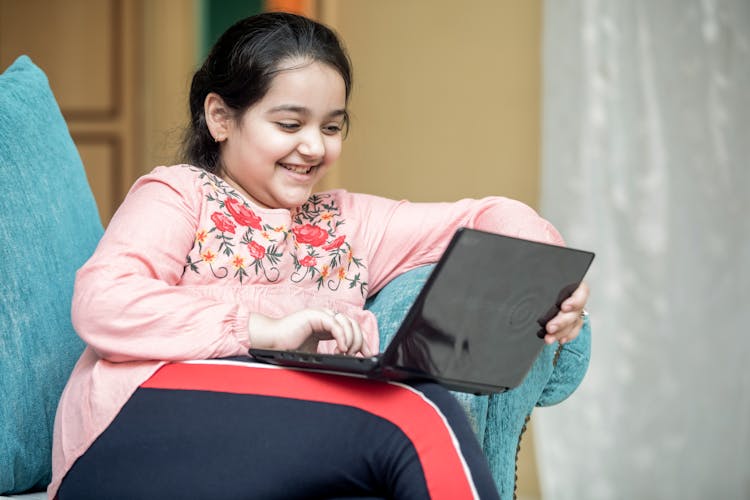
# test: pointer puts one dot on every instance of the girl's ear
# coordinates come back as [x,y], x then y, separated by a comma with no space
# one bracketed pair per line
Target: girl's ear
[218,116]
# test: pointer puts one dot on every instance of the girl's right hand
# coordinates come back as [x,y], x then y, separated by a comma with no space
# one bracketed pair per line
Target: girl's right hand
[303,330]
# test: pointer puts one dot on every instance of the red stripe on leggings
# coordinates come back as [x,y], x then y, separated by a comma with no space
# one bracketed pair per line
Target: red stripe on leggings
[445,472]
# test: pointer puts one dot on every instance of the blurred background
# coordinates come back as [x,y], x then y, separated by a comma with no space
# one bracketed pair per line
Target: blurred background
[624,122]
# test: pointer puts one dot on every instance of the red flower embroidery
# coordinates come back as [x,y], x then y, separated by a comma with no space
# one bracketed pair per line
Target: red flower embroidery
[243,215]
[222,222]
[311,235]
[335,243]
[256,251]
[308,261]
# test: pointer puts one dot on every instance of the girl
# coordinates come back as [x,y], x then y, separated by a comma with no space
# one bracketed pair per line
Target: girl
[231,250]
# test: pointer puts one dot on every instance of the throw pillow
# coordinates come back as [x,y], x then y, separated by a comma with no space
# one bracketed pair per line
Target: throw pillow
[50,226]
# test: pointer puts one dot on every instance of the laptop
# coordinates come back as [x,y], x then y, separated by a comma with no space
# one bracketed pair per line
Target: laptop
[477,325]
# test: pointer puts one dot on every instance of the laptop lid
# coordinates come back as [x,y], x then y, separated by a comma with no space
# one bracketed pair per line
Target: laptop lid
[478,325]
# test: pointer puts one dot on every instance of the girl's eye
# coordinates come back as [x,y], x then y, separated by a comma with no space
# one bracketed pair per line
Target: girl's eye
[289,126]
[332,129]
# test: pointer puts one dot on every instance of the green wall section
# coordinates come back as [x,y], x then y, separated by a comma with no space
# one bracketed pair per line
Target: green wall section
[217,15]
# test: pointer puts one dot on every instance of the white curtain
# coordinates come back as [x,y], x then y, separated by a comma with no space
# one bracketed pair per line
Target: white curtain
[647,162]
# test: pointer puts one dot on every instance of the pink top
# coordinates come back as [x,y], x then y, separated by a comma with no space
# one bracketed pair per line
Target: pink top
[187,258]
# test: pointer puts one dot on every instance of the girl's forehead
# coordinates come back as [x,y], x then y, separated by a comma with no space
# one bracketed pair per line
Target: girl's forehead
[307,82]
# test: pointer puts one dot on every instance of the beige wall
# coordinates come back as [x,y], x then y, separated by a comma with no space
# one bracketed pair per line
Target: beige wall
[446,97]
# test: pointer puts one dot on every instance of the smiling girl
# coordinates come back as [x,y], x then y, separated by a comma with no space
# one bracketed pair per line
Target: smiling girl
[232,249]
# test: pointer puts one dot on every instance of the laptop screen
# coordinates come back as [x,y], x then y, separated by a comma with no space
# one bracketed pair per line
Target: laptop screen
[479,320]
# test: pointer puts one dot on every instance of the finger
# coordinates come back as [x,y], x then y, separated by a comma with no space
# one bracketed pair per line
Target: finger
[577,300]
[333,329]
[562,321]
[566,333]
[346,325]
[339,335]
[328,328]
[564,324]
[365,346]
[570,335]
[357,338]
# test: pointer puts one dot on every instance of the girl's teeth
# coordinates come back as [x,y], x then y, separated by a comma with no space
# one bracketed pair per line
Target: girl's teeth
[297,170]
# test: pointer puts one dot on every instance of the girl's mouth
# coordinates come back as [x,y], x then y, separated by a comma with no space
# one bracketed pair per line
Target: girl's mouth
[298,169]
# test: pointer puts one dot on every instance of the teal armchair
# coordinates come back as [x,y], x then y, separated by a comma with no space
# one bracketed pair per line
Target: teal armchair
[50,225]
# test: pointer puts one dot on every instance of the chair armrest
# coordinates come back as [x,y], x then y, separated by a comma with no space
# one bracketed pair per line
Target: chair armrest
[393,301]
[570,366]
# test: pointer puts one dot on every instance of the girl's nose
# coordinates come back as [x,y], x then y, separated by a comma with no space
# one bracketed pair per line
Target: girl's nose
[311,144]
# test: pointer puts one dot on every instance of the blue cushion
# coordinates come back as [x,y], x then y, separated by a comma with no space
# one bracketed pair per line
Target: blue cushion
[50,226]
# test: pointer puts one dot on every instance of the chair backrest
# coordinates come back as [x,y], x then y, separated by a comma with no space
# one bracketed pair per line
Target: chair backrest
[49,227]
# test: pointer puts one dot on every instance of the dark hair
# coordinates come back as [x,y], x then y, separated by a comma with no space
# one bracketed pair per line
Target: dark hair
[242,64]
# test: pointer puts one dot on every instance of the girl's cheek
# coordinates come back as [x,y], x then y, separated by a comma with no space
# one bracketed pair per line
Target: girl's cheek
[333,151]
[276,147]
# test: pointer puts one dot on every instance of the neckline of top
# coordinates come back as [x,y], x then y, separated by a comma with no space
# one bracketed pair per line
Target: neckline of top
[236,193]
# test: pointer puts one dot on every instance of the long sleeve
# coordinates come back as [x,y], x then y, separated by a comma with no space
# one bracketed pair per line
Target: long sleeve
[126,304]
[404,235]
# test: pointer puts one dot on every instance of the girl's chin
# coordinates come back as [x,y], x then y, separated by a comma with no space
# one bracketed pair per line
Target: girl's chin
[294,200]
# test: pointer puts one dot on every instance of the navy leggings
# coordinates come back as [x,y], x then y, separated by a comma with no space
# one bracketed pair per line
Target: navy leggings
[237,430]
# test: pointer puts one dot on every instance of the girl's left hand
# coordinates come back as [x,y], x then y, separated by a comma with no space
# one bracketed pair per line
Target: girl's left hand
[566,325]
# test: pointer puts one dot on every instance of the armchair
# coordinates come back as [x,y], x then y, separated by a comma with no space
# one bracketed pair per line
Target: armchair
[50,226]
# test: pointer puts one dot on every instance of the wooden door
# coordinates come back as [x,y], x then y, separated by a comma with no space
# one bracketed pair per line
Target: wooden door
[87,49]
[120,71]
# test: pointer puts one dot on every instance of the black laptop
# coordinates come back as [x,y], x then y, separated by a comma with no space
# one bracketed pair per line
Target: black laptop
[478,323]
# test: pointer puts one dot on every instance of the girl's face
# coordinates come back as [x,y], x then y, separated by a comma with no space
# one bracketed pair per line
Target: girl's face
[287,141]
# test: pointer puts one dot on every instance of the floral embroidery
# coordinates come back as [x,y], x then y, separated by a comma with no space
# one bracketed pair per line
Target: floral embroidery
[239,267]
[310,235]
[223,223]
[236,219]
[308,261]
[335,243]
[256,251]
[317,223]
[208,256]
[320,252]
[243,215]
